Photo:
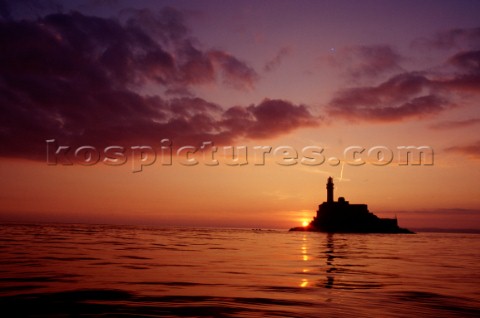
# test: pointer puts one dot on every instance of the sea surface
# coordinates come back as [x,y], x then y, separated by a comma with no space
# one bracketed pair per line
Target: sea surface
[130,271]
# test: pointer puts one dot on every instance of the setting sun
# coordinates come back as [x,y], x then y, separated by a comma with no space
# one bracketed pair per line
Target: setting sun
[304,223]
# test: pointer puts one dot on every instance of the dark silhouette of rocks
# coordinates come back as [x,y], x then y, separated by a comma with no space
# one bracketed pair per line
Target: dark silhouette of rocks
[342,217]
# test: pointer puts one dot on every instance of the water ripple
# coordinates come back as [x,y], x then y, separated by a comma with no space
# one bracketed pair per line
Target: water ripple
[127,271]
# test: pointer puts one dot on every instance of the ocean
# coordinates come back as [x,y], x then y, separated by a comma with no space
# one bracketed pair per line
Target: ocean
[72,270]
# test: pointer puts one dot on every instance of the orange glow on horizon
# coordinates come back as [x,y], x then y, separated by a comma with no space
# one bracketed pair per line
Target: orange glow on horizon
[187,196]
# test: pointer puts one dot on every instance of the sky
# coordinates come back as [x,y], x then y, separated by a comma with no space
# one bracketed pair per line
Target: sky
[127,112]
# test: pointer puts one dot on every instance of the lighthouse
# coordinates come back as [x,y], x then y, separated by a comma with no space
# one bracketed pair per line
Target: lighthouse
[342,217]
[330,190]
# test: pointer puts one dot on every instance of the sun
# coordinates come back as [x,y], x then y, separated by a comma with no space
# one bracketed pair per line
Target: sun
[304,223]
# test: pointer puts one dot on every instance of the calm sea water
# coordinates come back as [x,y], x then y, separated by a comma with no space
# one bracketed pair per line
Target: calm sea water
[127,271]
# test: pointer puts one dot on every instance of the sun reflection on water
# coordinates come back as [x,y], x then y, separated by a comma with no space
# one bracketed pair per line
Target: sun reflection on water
[304,248]
[304,283]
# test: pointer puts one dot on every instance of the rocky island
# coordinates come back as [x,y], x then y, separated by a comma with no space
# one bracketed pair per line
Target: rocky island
[342,217]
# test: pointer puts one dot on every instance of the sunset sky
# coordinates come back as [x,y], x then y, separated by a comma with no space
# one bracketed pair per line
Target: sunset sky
[324,74]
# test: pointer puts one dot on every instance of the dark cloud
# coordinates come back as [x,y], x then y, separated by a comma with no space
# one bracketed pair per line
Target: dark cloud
[269,118]
[5,10]
[454,124]
[235,72]
[80,80]
[466,60]
[277,60]
[453,38]
[147,47]
[11,9]
[463,220]
[404,96]
[467,76]
[471,150]
[168,24]
[366,61]
[409,94]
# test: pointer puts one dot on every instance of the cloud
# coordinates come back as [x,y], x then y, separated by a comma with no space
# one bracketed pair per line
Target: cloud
[235,73]
[10,9]
[146,47]
[269,118]
[81,80]
[127,119]
[277,60]
[471,150]
[454,124]
[465,61]
[442,218]
[454,38]
[414,94]
[467,75]
[359,62]
[401,97]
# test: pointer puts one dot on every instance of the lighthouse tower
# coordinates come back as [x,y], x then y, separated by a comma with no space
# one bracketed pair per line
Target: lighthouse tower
[330,190]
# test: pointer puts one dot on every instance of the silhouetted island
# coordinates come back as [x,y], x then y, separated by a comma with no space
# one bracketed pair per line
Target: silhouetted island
[343,217]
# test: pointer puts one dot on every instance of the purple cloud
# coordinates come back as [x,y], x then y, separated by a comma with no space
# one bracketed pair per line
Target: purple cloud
[359,62]
[454,124]
[471,150]
[79,79]
[268,119]
[275,62]
[467,76]
[448,39]
[409,94]
[404,96]
[235,73]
